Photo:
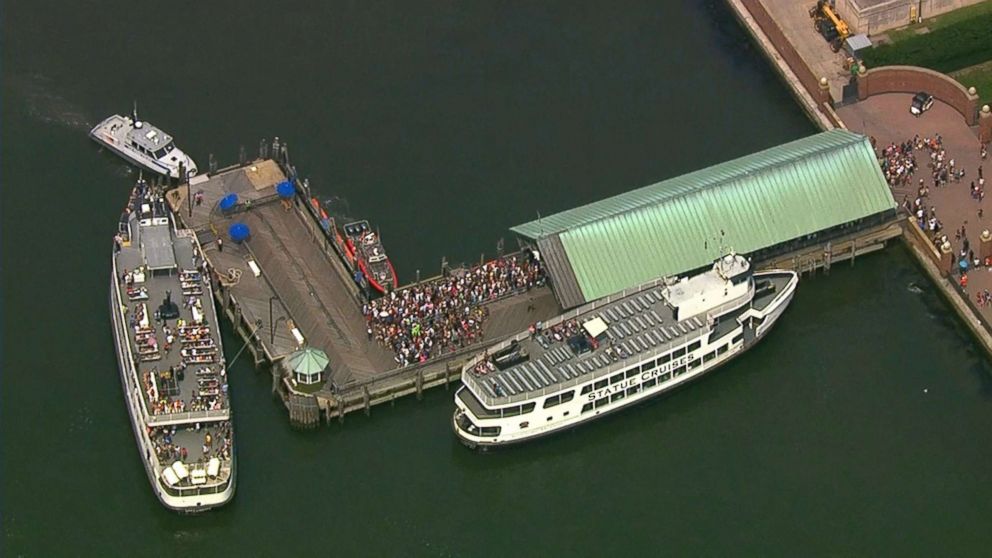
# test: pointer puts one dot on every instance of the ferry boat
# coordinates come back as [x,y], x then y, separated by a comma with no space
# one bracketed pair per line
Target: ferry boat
[143,145]
[170,357]
[364,246]
[615,352]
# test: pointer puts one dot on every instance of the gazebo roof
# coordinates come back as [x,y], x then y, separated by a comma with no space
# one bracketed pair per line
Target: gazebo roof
[308,362]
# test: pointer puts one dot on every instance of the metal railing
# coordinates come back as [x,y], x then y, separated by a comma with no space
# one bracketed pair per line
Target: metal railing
[224,474]
[163,419]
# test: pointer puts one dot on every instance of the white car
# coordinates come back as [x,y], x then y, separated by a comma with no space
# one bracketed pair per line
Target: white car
[922,102]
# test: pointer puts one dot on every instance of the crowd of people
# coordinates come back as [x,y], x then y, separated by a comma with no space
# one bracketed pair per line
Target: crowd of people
[898,163]
[216,442]
[210,393]
[900,167]
[444,315]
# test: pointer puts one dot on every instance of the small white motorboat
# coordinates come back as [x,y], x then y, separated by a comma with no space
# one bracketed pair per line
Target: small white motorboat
[144,145]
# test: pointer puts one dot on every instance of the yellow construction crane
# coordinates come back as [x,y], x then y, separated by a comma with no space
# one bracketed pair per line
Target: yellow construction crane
[827,23]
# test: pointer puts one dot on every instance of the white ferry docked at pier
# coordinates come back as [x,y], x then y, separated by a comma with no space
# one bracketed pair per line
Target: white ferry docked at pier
[144,145]
[170,358]
[618,351]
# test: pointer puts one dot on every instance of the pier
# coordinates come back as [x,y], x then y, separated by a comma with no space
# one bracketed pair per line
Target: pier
[287,287]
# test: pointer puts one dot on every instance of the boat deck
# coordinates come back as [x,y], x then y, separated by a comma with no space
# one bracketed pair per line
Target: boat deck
[185,379]
[639,325]
[199,444]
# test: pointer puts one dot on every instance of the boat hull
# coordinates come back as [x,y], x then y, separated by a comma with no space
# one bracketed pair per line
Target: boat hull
[181,504]
[100,135]
[753,326]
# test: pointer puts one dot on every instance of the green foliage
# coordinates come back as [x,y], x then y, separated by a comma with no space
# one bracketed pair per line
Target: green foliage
[979,77]
[944,20]
[962,44]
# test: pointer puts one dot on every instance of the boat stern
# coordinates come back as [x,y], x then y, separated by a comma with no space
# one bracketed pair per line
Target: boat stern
[173,160]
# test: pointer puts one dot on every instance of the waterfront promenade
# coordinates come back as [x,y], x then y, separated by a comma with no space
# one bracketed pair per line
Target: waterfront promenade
[887,119]
[783,31]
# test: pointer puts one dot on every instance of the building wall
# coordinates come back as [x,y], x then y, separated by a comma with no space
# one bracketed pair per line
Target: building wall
[910,79]
[873,16]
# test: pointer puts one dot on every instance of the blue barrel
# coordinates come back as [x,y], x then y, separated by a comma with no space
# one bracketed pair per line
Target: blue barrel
[239,232]
[228,202]
[285,189]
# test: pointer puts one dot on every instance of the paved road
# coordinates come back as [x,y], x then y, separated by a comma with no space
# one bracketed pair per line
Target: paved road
[887,119]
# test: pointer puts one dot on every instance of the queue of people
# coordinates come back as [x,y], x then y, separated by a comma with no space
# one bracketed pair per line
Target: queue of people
[444,315]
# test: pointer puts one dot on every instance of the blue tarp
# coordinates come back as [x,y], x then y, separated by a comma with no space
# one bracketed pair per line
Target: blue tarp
[228,202]
[285,189]
[239,232]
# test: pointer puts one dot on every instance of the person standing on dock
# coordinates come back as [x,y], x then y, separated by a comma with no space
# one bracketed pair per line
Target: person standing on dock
[220,244]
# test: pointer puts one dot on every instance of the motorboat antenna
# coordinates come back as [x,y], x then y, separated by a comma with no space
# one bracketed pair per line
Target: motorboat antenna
[134,115]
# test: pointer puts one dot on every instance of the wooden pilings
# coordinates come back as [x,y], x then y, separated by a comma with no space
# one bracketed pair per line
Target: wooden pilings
[303,411]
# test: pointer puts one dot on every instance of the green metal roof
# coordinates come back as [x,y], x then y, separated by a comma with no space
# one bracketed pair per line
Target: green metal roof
[756,201]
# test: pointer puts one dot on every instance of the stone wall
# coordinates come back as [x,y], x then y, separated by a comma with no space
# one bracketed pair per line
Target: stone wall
[910,79]
[876,16]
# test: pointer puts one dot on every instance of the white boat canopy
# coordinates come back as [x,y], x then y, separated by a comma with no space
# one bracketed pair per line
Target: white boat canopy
[595,327]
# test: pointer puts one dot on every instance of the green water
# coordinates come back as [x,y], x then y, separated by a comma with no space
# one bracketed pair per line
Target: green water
[860,426]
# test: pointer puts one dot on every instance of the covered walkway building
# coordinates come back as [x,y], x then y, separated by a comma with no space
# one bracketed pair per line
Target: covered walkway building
[771,202]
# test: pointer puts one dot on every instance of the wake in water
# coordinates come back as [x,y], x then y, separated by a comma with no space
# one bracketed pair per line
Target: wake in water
[47,105]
